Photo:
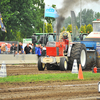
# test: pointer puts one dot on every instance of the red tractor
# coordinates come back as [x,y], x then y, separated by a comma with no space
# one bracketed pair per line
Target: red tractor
[57,54]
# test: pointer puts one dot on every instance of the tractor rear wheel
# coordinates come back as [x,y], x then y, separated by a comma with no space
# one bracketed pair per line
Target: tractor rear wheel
[41,66]
[78,52]
[63,64]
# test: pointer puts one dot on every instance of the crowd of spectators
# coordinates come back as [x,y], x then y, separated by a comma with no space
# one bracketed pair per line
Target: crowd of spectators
[28,49]
[35,49]
[14,49]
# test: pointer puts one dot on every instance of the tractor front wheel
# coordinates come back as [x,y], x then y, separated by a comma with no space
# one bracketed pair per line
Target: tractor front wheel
[63,64]
[41,66]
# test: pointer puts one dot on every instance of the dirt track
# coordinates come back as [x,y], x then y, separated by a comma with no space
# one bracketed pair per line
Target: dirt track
[28,69]
[69,90]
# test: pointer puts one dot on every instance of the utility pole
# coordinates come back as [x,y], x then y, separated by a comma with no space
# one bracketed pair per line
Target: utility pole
[80,12]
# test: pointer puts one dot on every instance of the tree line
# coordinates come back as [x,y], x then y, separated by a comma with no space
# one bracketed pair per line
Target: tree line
[88,15]
[22,18]
[83,29]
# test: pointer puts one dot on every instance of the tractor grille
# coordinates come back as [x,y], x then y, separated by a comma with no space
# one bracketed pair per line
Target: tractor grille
[51,44]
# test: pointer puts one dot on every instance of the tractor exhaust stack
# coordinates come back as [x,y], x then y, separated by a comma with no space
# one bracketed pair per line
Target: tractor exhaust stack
[60,20]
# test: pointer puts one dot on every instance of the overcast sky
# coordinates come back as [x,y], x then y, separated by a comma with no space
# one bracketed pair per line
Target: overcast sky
[94,6]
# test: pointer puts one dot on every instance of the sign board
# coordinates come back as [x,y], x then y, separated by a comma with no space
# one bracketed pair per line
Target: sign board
[27,40]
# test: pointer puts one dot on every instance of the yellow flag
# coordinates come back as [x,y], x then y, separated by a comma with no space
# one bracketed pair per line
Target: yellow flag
[1,24]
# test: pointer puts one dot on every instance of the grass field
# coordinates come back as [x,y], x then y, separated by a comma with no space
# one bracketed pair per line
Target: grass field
[50,77]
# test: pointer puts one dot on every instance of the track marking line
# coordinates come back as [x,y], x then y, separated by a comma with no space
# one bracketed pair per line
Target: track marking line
[74,85]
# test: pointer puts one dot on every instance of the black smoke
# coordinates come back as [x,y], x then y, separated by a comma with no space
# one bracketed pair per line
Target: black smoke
[67,7]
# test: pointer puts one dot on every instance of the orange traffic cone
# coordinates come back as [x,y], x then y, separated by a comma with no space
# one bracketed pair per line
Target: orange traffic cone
[80,74]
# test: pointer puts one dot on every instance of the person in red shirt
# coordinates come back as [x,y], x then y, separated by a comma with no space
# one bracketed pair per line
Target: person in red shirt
[95,69]
[66,41]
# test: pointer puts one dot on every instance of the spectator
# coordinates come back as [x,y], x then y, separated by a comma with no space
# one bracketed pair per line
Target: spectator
[12,48]
[16,49]
[30,45]
[38,50]
[33,49]
[3,49]
[27,49]
[16,53]
[6,52]
[0,49]
[19,48]
[22,48]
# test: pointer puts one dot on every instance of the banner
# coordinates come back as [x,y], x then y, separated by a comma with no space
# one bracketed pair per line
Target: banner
[50,12]
[1,24]
[0,20]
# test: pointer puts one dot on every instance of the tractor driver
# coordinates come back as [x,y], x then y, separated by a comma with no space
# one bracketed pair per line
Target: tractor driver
[65,39]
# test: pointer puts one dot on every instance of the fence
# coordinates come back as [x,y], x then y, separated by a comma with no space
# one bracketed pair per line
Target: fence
[18,59]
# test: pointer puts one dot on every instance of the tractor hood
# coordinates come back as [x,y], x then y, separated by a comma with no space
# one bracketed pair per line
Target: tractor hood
[93,36]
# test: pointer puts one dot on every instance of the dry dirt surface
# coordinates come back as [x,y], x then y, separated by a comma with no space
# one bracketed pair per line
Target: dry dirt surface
[28,69]
[68,90]
[71,90]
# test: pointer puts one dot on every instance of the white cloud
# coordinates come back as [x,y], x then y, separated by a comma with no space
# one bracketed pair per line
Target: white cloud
[58,3]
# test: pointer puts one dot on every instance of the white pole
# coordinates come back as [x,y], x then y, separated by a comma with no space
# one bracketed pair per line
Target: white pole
[80,13]
[43,24]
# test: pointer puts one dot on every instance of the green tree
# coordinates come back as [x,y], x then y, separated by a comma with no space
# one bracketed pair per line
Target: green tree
[86,17]
[63,29]
[76,28]
[5,16]
[49,28]
[45,28]
[97,15]
[21,16]
[69,28]
[83,29]
[89,28]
